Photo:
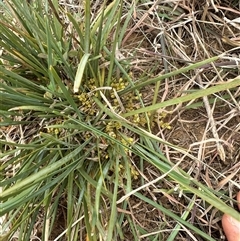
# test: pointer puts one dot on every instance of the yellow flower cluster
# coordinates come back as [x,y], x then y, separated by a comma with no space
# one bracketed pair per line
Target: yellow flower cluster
[131,102]
[113,126]
[159,120]
[134,172]
[87,103]
[127,142]
[119,84]
[114,129]
[55,131]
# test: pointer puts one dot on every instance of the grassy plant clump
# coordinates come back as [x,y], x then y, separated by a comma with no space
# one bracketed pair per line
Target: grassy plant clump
[92,97]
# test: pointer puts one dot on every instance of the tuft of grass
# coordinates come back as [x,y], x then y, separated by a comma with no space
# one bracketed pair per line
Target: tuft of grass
[79,127]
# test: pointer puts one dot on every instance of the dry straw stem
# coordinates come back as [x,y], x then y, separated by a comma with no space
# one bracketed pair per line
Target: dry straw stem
[213,127]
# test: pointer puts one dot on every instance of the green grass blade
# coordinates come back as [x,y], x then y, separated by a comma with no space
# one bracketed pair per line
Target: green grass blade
[80,72]
[198,94]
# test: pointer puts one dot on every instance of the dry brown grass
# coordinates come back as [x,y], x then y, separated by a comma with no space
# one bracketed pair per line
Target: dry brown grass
[164,36]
